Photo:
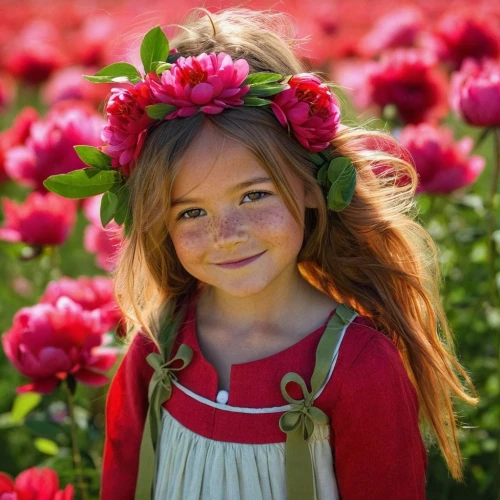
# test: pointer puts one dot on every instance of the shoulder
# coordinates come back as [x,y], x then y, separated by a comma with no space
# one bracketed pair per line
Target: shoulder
[369,366]
[136,352]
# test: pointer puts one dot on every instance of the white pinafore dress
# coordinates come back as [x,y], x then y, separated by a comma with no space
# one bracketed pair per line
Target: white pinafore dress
[190,466]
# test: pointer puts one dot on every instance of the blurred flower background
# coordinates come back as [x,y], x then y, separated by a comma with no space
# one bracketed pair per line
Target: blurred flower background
[427,72]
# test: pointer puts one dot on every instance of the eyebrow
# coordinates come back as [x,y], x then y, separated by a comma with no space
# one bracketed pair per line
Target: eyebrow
[231,190]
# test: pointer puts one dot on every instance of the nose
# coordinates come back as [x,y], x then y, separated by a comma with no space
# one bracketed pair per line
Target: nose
[228,230]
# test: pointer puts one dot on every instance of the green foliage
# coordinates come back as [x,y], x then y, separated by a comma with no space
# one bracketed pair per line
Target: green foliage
[115,73]
[154,48]
[93,157]
[160,111]
[23,404]
[82,183]
[342,176]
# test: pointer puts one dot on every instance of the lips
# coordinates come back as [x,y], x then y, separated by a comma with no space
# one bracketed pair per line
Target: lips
[239,260]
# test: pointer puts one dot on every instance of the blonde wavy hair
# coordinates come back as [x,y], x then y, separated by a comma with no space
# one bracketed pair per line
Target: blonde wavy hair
[371,256]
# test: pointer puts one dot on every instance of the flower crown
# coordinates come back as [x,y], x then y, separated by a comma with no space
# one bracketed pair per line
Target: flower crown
[175,87]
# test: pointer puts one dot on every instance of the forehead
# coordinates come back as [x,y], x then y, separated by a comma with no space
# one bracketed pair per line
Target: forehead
[213,163]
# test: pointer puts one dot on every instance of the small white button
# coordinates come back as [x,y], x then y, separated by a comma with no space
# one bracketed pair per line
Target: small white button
[222,397]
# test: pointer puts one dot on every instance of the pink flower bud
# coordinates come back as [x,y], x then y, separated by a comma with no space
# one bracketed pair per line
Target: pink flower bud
[475,93]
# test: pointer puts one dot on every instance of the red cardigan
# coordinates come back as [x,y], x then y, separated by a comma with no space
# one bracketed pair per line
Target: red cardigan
[376,443]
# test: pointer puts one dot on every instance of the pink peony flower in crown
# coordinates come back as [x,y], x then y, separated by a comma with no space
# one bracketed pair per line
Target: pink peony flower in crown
[47,343]
[49,148]
[310,109]
[442,164]
[43,219]
[94,293]
[34,484]
[475,93]
[208,83]
[127,125]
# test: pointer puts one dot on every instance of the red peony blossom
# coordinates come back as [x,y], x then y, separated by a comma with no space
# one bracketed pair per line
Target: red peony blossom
[34,484]
[463,35]
[47,343]
[208,83]
[35,53]
[398,28]
[410,80]
[49,148]
[127,125]
[16,135]
[442,165]
[311,110]
[475,93]
[43,219]
[93,42]
[94,293]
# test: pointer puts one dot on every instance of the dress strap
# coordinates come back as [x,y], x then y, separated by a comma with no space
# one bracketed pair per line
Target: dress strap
[298,422]
[160,390]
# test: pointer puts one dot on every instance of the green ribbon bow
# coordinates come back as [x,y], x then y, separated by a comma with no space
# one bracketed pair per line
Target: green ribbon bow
[298,422]
[160,390]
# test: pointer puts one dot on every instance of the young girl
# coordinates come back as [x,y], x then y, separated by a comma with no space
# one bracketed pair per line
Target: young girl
[291,333]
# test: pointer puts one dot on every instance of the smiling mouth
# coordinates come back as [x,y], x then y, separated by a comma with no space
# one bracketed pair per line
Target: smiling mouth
[240,260]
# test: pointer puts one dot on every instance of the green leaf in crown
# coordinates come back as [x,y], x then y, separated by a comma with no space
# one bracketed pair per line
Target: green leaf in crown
[119,72]
[260,78]
[82,183]
[342,175]
[109,204]
[154,48]
[255,101]
[93,157]
[265,90]
[159,111]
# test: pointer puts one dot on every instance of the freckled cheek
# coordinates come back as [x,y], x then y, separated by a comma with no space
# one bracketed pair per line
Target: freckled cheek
[277,223]
[190,243]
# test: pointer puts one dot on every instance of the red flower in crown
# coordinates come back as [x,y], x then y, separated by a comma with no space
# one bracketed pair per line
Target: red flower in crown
[311,110]
[127,125]
[207,83]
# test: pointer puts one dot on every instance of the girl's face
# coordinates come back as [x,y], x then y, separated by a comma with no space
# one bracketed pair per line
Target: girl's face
[234,212]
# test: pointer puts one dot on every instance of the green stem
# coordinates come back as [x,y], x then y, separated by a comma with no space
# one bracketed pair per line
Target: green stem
[77,460]
[492,220]
[492,254]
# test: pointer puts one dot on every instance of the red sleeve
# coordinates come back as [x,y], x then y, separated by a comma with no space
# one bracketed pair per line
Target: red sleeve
[126,409]
[378,449]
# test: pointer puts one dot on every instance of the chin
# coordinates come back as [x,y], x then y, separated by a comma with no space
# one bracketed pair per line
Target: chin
[242,288]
